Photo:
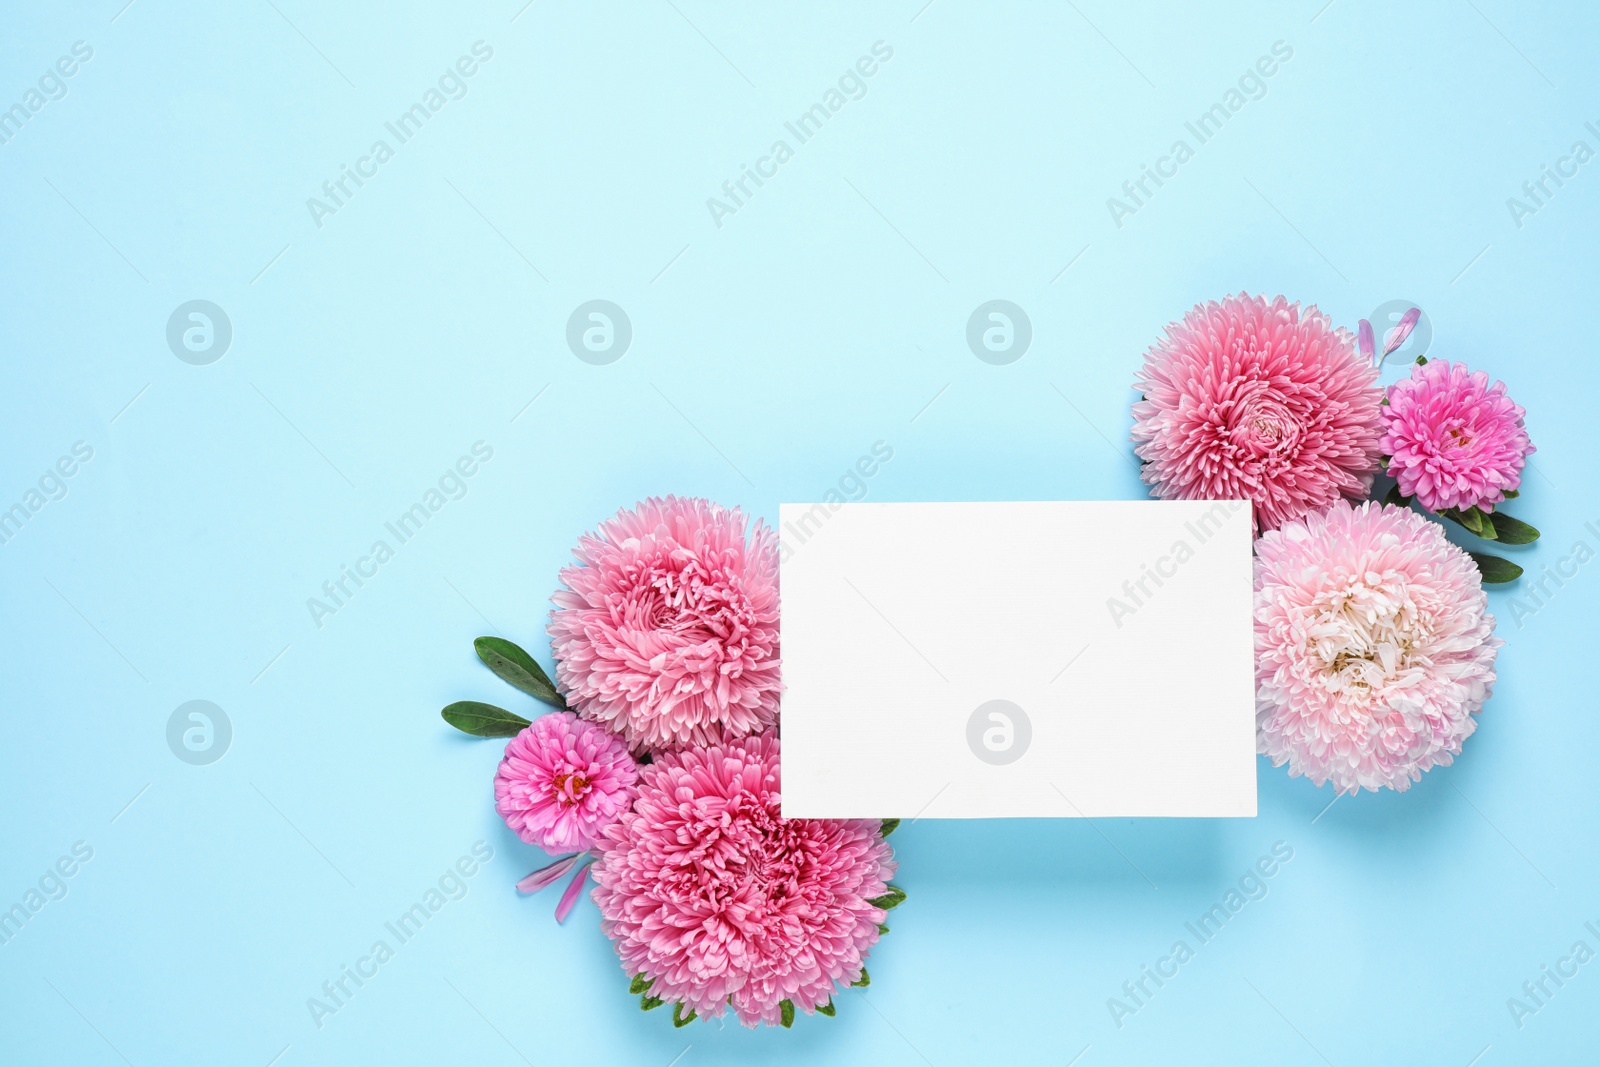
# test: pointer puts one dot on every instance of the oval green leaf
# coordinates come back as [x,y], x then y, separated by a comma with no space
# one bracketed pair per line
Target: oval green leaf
[512,664]
[786,1013]
[1471,519]
[892,899]
[1495,570]
[1510,531]
[483,720]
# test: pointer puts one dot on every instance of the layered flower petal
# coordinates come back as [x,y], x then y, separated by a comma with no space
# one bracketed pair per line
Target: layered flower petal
[1455,440]
[1246,399]
[706,890]
[667,630]
[1374,646]
[561,782]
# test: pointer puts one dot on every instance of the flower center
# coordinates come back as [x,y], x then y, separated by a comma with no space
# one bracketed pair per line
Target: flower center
[570,788]
[1365,638]
[1264,425]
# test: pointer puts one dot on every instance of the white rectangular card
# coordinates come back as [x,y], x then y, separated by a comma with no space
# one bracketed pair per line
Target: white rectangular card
[1050,659]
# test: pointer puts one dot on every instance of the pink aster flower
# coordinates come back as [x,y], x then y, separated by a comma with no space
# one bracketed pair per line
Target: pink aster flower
[1457,441]
[716,900]
[667,633]
[1374,646]
[1246,400]
[562,781]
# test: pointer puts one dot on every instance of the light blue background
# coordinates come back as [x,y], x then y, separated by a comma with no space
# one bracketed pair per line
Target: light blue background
[768,354]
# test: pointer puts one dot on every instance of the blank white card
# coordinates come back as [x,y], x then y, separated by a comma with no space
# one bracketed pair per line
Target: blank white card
[1050,659]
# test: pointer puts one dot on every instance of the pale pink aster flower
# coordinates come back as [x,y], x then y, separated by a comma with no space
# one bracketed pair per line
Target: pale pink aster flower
[1374,646]
[1456,440]
[667,632]
[717,900]
[562,781]
[1249,400]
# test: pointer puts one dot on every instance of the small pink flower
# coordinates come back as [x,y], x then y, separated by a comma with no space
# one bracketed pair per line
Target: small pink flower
[1247,399]
[1456,441]
[562,781]
[667,631]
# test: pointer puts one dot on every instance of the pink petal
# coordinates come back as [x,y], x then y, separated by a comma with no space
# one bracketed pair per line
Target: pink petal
[549,875]
[1398,335]
[569,899]
[1364,332]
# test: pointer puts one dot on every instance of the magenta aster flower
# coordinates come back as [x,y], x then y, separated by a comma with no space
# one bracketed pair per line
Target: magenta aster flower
[562,781]
[1246,400]
[667,633]
[1374,646]
[1456,441]
[717,900]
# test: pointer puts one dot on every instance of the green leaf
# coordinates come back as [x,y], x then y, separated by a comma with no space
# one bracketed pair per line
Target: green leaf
[827,1009]
[647,1002]
[892,899]
[1422,360]
[678,1018]
[1511,494]
[866,980]
[483,720]
[786,1013]
[1473,520]
[1495,570]
[514,665]
[890,826]
[639,984]
[1397,498]
[883,928]
[1510,531]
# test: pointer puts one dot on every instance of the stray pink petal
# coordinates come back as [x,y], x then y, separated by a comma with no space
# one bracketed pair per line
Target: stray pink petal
[569,899]
[1364,334]
[1398,335]
[549,875]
